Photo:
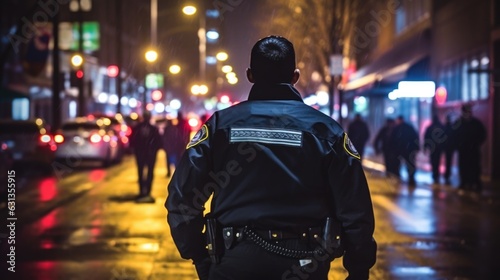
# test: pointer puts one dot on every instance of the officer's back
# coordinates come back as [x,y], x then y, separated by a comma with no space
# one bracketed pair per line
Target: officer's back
[284,177]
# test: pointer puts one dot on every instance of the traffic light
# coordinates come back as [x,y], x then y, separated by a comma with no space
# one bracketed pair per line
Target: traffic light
[75,76]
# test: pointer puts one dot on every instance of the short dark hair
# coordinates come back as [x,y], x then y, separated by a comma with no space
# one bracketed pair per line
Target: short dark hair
[273,60]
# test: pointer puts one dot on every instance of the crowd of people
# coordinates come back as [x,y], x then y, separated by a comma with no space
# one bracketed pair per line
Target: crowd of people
[399,143]
[466,136]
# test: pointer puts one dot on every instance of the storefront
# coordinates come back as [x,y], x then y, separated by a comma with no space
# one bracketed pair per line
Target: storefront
[368,91]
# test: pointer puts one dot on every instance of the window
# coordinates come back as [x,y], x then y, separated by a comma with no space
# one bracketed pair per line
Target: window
[466,79]
[411,12]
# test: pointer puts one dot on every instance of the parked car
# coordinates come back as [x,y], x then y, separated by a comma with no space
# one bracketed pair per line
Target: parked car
[28,141]
[117,122]
[87,139]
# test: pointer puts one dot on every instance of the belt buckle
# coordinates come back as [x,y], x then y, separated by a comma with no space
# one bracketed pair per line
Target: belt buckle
[275,234]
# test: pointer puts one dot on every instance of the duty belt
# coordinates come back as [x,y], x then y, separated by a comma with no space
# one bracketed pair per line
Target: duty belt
[230,234]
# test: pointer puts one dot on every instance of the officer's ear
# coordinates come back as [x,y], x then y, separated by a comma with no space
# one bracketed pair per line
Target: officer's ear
[250,76]
[296,76]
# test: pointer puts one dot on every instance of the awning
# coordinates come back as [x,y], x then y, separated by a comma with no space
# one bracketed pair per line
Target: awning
[408,60]
[9,94]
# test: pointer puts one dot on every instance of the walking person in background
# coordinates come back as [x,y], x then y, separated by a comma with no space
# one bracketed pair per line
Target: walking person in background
[183,128]
[383,143]
[173,144]
[146,141]
[434,140]
[407,145]
[449,148]
[358,133]
[470,135]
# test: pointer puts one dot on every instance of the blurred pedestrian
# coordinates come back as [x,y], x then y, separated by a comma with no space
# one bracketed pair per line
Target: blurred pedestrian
[449,147]
[407,145]
[285,182]
[434,140]
[470,135]
[184,129]
[358,133]
[173,144]
[383,143]
[145,141]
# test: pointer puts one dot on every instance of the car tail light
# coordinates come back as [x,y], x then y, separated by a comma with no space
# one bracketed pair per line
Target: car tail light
[124,139]
[95,138]
[58,138]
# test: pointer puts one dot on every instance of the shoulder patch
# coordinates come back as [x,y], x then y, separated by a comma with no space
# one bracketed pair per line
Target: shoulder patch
[349,147]
[199,137]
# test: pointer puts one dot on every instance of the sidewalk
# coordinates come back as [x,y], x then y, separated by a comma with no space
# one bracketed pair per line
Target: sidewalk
[423,175]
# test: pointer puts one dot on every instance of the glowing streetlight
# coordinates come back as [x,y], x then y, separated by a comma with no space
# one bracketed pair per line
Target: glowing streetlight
[212,35]
[230,75]
[189,10]
[226,69]
[195,89]
[151,55]
[232,81]
[222,56]
[203,89]
[199,89]
[202,37]
[77,60]
[174,69]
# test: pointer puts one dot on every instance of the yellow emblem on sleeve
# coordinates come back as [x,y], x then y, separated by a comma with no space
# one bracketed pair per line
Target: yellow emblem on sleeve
[349,147]
[199,137]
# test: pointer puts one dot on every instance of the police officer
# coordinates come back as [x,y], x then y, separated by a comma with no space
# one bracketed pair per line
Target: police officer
[277,169]
[145,140]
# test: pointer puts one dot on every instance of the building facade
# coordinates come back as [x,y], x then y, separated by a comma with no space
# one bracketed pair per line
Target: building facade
[450,43]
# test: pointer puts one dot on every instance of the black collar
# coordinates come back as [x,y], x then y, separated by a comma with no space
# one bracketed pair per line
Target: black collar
[274,92]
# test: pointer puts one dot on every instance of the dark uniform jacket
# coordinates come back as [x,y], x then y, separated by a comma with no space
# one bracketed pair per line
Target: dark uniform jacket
[273,162]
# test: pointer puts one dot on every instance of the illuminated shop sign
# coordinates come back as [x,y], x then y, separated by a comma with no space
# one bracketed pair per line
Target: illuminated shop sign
[414,89]
[69,36]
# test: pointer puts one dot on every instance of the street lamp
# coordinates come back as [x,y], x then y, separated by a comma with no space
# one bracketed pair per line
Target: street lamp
[199,89]
[151,56]
[189,10]
[174,69]
[226,69]
[77,60]
[202,46]
[222,56]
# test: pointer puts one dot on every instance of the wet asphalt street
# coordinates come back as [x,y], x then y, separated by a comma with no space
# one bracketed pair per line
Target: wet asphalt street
[82,223]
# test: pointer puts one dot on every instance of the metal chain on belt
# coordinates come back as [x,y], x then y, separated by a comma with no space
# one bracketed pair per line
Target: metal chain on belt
[275,249]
